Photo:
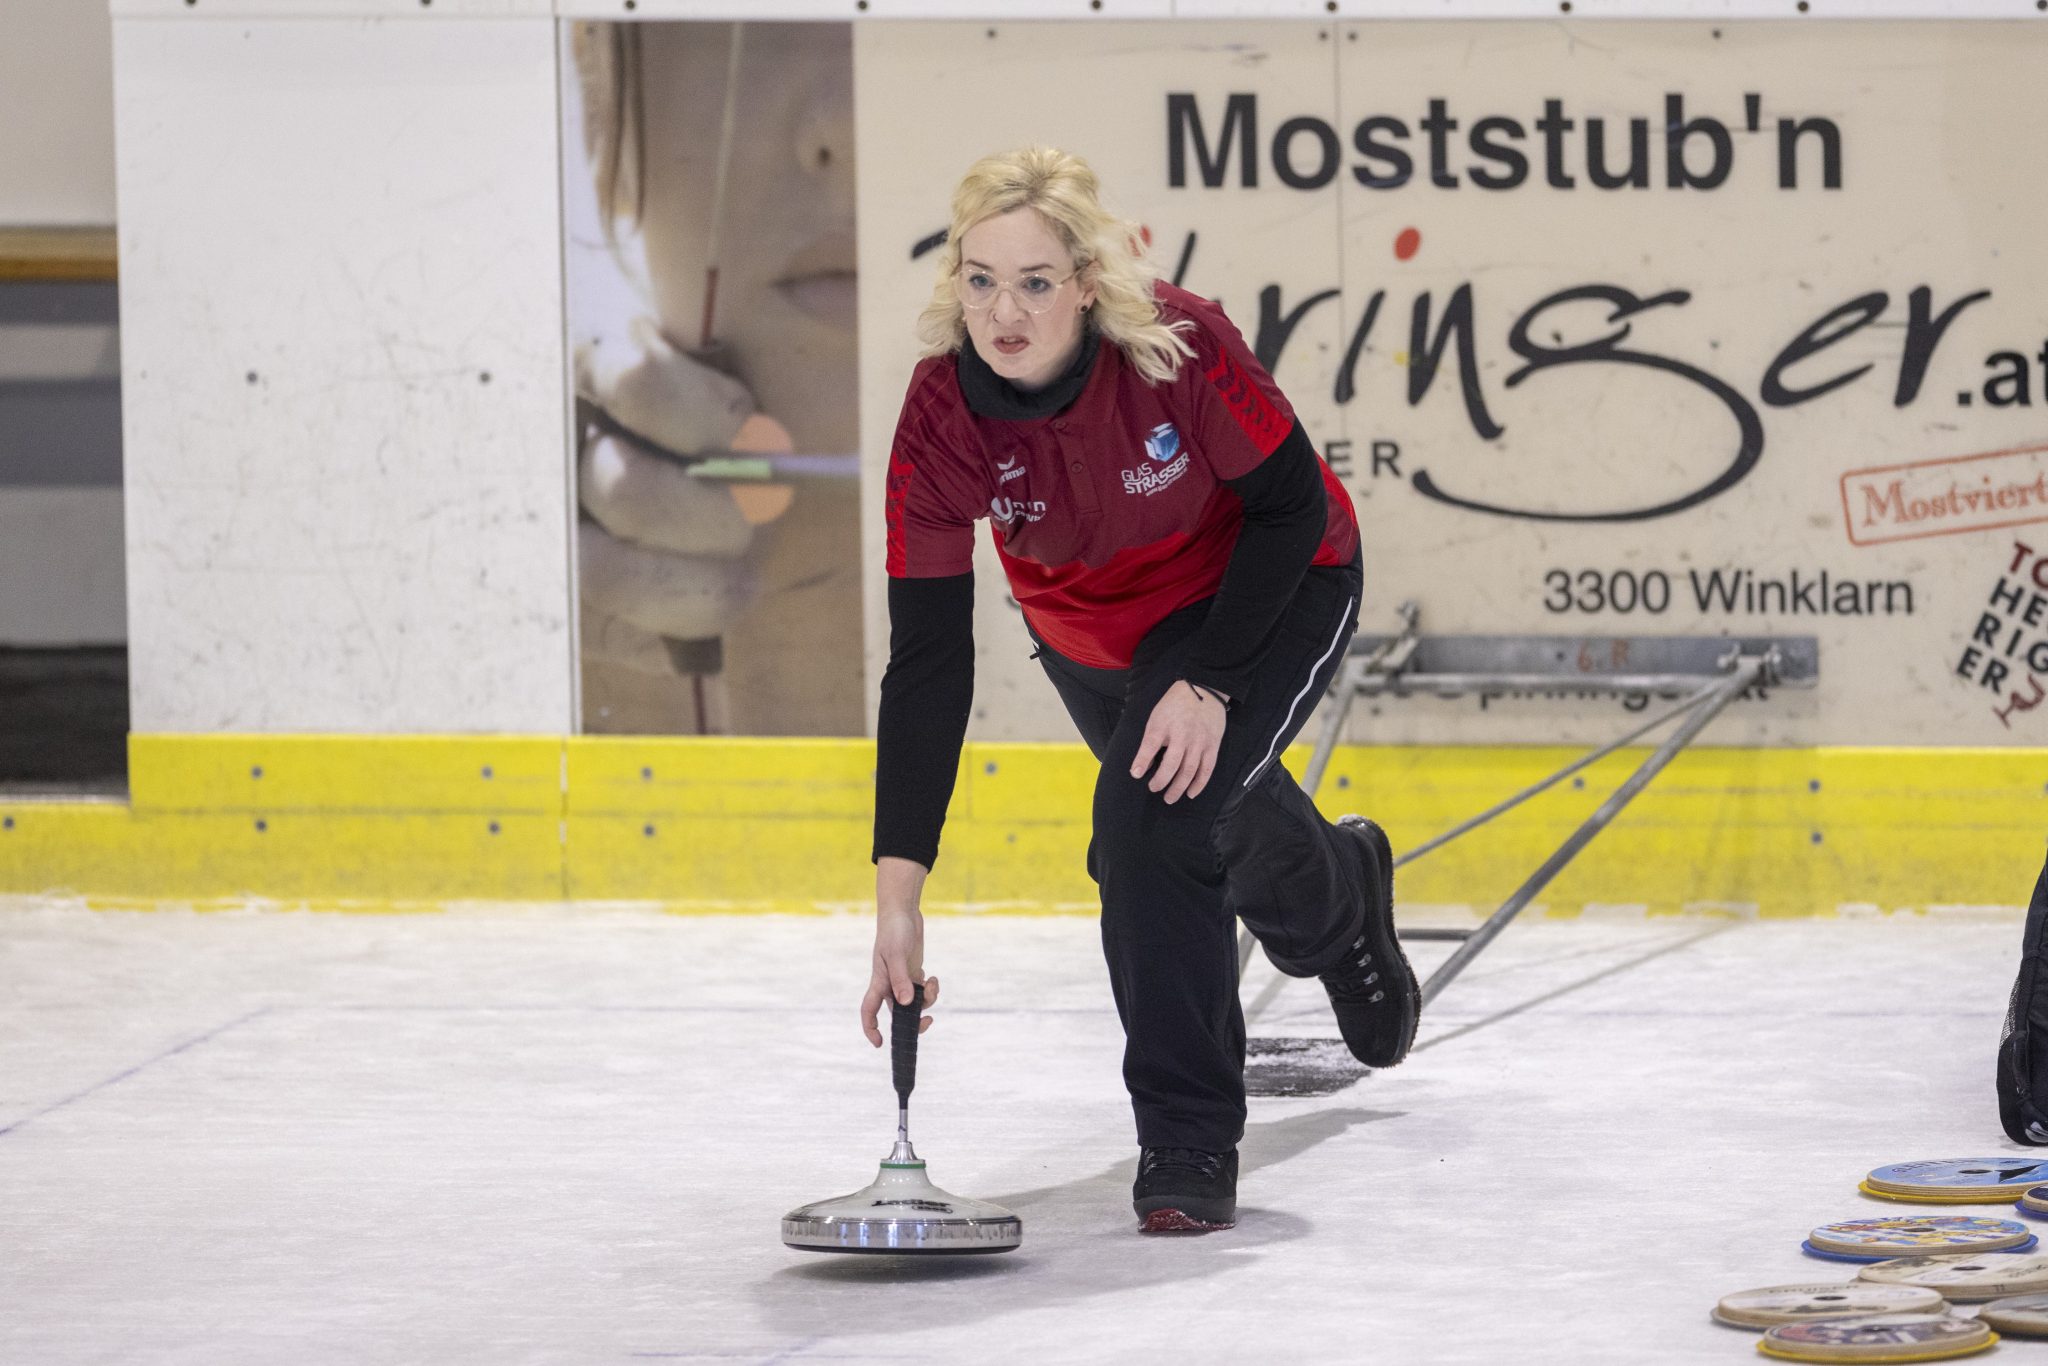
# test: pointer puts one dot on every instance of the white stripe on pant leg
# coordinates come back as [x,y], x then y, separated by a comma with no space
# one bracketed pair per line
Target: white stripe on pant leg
[1270,749]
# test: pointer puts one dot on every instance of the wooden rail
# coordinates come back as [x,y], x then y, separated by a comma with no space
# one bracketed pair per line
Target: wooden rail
[70,255]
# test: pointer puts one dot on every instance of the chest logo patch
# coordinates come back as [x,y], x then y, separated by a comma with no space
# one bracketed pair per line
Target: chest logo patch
[1169,462]
[1009,510]
[1163,444]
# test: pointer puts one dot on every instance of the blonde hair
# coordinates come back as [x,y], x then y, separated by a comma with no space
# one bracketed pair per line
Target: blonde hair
[1107,252]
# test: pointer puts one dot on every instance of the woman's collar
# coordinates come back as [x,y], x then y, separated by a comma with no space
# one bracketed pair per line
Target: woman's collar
[988,394]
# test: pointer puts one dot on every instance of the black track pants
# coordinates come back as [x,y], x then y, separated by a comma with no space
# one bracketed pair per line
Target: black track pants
[1174,879]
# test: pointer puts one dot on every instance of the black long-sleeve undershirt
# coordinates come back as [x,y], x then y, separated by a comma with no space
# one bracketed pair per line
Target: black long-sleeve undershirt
[1286,509]
[927,691]
[928,688]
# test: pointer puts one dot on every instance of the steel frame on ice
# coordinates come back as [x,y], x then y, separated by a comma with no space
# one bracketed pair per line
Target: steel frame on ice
[1705,672]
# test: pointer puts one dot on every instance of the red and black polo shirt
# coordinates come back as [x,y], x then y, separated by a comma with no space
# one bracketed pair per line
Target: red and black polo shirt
[1113,503]
[1111,514]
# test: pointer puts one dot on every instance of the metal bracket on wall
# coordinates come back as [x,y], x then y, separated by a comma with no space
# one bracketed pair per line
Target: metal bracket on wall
[1705,673]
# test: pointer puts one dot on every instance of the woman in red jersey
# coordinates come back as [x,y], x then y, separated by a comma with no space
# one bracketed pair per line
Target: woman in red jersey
[1189,570]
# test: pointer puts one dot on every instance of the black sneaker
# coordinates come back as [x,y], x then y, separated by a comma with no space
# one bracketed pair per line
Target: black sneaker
[1374,991]
[1185,1190]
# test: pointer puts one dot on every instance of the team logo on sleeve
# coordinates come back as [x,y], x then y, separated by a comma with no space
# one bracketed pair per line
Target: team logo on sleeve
[1169,462]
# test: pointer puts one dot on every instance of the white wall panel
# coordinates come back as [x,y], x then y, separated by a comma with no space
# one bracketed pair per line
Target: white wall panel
[332,9]
[60,566]
[343,376]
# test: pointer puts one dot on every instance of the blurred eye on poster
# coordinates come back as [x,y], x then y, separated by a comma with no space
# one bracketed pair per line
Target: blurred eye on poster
[709,183]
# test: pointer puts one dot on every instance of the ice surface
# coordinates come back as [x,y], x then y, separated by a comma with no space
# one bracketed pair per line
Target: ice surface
[566,1136]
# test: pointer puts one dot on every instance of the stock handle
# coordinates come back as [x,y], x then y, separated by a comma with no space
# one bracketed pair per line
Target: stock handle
[903,1042]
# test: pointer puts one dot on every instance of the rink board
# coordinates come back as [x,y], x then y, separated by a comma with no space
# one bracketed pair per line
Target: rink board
[782,825]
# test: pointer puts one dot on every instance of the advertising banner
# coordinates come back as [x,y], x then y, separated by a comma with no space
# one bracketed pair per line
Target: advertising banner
[1611,330]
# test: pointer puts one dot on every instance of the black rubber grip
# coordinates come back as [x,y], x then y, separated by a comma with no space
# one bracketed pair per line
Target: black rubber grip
[903,1042]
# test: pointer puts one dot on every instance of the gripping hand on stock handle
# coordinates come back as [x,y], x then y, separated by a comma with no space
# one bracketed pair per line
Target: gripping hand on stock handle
[898,964]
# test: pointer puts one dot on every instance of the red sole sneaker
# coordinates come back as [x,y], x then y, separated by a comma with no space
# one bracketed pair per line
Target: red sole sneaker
[1173,1221]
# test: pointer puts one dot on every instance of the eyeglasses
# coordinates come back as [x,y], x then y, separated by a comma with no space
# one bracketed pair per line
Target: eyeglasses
[1034,293]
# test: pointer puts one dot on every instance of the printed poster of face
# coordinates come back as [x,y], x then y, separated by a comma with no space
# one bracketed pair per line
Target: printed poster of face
[709,185]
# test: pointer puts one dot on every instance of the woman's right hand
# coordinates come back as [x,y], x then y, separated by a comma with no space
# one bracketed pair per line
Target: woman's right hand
[898,965]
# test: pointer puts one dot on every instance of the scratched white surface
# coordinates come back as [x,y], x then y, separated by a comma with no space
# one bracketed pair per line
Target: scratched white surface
[558,1136]
[332,231]
[333,9]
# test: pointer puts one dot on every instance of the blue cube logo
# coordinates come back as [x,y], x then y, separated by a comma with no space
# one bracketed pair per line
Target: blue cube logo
[1164,443]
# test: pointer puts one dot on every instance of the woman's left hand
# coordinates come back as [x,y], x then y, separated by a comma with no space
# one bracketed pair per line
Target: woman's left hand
[1184,732]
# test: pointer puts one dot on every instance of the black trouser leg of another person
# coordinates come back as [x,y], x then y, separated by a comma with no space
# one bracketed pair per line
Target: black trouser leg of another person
[1174,878]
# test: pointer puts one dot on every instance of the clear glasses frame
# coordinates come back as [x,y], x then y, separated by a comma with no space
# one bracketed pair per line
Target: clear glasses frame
[979,296]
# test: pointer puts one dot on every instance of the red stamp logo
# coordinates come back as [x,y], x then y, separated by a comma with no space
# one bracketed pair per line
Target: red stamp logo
[1946,497]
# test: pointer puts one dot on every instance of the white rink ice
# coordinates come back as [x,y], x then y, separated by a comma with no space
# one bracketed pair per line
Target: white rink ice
[566,1135]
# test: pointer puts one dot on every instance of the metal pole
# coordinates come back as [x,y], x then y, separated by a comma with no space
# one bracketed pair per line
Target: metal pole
[1335,723]
[1530,684]
[1583,761]
[1747,670]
